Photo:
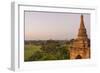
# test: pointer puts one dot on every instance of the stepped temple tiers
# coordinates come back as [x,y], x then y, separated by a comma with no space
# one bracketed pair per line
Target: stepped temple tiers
[80,47]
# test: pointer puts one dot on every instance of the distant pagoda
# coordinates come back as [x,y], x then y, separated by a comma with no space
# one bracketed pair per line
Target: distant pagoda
[80,48]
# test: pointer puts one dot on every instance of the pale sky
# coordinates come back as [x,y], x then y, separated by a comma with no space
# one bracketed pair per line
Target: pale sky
[56,26]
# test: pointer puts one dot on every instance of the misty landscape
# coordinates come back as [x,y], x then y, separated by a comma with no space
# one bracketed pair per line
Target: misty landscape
[56,36]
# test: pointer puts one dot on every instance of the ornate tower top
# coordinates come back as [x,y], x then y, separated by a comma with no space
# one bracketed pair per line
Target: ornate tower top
[82,30]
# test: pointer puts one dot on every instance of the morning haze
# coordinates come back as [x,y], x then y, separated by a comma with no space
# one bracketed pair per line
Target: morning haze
[56,26]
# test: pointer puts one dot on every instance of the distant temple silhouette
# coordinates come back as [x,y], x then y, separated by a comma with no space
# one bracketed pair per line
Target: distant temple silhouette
[80,47]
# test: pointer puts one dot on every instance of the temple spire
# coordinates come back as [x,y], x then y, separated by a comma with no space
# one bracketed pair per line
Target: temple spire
[80,48]
[82,22]
[82,30]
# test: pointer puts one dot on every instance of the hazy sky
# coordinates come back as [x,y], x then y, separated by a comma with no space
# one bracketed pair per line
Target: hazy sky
[56,26]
